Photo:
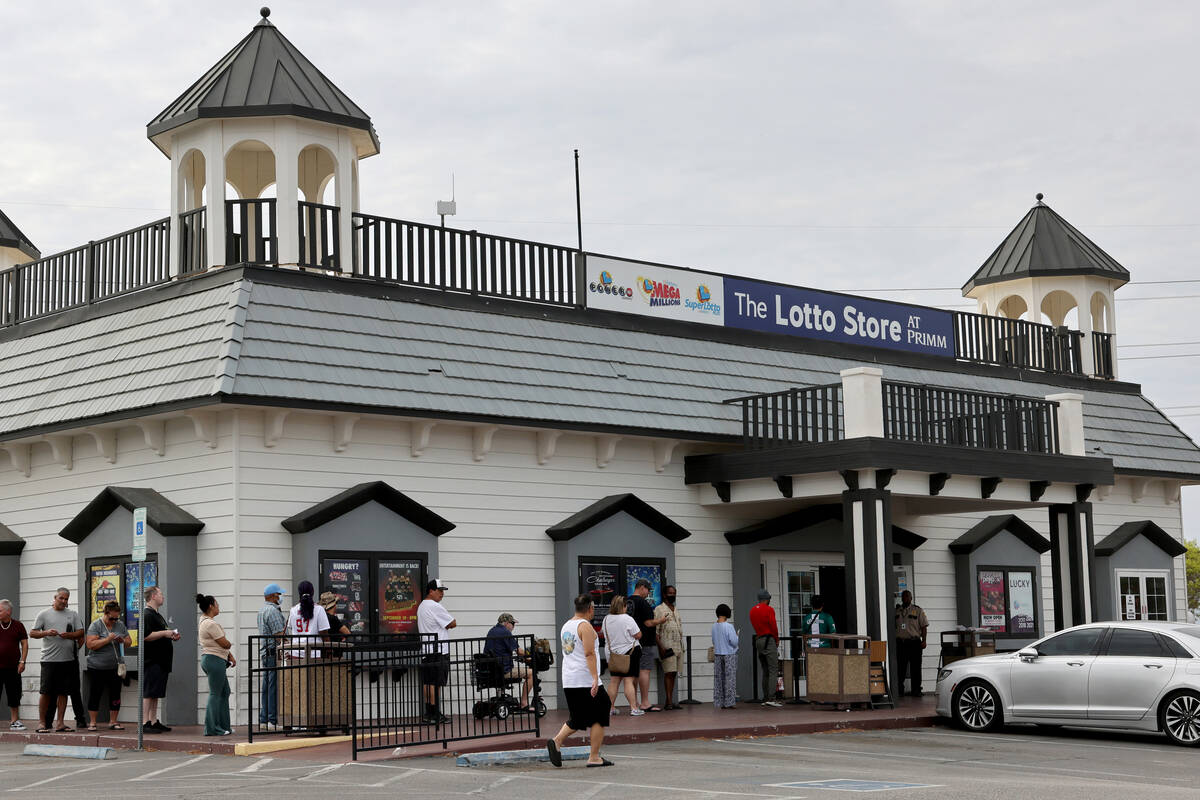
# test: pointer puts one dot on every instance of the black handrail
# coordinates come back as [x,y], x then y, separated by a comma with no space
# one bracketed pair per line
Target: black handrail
[794,416]
[193,241]
[320,236]
[1016,342]
[1103,356]
[250,233]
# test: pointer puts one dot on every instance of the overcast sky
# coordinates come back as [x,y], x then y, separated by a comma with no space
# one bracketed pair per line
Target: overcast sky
[851,146]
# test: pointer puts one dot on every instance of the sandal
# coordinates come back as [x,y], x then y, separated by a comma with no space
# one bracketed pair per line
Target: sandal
[92,728]
[45,730]
[553,753]
[651,709]
[114,727]
[604,762]
[64,729]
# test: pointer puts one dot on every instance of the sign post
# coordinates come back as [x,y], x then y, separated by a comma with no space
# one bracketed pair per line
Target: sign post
[139,555]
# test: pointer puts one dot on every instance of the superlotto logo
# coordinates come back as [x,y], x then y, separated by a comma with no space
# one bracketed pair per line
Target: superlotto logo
[703,304]
[605,285]
[659,293]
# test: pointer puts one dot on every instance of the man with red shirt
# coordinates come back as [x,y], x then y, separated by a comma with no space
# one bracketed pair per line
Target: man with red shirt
[14,648]
[766,645]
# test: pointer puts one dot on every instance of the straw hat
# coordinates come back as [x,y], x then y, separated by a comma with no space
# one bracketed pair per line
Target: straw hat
[329,601]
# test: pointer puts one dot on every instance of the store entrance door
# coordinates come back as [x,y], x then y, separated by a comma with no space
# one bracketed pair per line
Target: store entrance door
[800,579]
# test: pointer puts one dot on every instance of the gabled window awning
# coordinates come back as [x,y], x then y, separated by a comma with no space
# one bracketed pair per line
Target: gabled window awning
[1131,530]
[10,543]
[606,507]
[162,515]
[344,502]
[977,536]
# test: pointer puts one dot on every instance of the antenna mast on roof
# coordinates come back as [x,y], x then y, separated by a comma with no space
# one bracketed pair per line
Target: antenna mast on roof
[447,207]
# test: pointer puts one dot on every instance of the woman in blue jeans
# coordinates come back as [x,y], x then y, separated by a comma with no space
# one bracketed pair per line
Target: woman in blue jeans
[215,658]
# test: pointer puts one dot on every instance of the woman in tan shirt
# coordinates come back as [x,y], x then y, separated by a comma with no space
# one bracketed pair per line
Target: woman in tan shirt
[215,658]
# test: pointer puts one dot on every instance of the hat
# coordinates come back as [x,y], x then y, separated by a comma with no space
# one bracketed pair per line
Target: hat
[273,588]
[506,617]
[763,594]
[436,584]
[328,600]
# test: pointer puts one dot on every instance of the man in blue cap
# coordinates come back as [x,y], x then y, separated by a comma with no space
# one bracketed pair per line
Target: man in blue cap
[271,622]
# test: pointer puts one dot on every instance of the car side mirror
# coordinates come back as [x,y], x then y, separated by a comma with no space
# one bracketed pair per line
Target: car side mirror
[1028,654]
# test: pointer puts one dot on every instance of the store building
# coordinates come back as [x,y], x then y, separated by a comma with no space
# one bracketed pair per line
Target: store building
[298,389]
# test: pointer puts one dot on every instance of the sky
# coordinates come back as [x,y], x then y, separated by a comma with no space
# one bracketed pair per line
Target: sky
[847,146]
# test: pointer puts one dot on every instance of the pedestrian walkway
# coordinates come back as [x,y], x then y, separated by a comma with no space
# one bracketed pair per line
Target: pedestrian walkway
[690,722]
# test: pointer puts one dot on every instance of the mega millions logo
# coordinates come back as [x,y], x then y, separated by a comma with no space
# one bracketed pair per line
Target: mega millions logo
[606,285]
[659,293]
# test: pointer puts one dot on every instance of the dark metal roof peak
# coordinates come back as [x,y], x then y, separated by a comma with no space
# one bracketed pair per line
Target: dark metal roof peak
[264,75]
[1043,244]
[11,236]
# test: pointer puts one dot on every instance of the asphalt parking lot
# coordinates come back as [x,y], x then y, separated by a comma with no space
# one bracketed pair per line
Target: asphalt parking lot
[937,762]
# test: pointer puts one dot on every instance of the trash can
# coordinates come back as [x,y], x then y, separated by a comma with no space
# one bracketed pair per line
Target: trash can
[840,673]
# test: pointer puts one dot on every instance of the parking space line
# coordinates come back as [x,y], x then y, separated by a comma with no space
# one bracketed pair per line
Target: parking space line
[257,765]
[1043,737]
[398,776]
[325,770]
[157,772]
[493,785]
[58,777]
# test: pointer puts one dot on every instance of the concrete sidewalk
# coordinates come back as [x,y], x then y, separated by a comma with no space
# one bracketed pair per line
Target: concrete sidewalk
[690,722]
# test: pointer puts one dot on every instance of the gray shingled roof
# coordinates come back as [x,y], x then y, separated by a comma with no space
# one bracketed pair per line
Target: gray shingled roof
[11,236]
[268,342]
[264,75]
[1043,243]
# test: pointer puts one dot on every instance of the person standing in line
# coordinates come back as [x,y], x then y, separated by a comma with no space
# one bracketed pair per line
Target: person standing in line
[157,659]
[643,614]
[725,647]
[14,650]
[216,657]
[272,623]
[766,645]
[338,630]
[670,643]
[912,630]
[819,622]
[621,636]
[434,619]
[307,624]
[103,635]
[60,629]
[587,704]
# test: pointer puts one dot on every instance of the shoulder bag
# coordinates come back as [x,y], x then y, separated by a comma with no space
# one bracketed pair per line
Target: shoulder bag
[122,668]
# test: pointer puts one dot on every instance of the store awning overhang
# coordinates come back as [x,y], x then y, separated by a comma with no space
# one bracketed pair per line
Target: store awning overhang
[387,496]
[806,518]
[606,507]
[1130,530]
[161,514]
[988,528]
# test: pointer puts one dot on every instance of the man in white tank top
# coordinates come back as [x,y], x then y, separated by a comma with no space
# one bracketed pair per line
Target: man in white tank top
[587,704]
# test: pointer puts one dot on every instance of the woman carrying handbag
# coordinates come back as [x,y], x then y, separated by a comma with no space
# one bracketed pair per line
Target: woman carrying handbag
[105,666]
[621,636]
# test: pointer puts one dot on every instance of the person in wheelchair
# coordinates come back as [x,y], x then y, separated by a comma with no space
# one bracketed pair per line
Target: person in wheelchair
[502,645]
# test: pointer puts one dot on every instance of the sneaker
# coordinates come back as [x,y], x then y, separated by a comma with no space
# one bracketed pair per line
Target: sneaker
[269,726]
[636,712]
[17,726]
[148,727]
[773,704]
[614,711]
[225,733]
[158,726]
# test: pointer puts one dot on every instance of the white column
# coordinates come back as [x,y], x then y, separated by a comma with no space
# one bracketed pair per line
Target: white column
[1070,423]
[346,199]
[214,177]
[177,186]
[862,402]
[287,191]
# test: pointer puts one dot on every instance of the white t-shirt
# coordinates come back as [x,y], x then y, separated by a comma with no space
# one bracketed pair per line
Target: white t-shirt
[301,628]
[432,617]
[619,630]
[575,673]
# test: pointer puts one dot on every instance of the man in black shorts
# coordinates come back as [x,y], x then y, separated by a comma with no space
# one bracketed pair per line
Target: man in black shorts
[14,649]
[157,659]
[59,628]
[433,618]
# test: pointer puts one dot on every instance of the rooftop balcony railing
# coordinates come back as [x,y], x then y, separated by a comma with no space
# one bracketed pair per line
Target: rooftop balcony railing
[429,257]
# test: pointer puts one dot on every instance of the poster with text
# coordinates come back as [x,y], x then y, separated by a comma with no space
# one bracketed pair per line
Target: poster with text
[348,578]
[1021,617]
[652,573]
[599,581]
[104,584]
[399,595]
[992,613]
[133,593]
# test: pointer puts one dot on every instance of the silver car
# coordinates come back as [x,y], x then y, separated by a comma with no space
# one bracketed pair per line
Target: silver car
[1142,676]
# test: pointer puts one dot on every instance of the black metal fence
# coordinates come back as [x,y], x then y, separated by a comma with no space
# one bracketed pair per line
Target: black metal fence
[1019,343]
[393,690]
[193,241]
[250,233]
[320,236]
[449,259]
[1103,355]
[936,415]
[794,416]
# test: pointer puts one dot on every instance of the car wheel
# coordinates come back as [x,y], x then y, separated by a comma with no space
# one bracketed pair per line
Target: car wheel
[976,707]
[1179,718]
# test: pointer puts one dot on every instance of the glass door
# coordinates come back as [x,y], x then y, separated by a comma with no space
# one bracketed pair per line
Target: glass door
[1142,596]
[800,582]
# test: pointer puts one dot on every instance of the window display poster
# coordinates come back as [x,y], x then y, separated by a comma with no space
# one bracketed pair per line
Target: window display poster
[399,595]
[992,613]
[652,573]
[348,578]
[104,584]
[599,580]
[133,593]
[1020,603]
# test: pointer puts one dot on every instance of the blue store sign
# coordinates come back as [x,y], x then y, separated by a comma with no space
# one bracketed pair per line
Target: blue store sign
[837,318]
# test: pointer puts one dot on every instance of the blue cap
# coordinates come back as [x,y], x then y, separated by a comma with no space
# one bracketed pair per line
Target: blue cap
[273,588]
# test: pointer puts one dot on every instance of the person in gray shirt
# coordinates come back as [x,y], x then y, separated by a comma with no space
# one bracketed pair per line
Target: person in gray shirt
[104,636]
[59,628]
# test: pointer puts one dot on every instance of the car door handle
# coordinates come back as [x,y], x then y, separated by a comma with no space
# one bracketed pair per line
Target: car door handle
[1075,663]
[1152,666]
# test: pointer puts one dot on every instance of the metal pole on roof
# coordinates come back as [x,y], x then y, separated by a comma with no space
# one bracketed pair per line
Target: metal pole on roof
[578,211]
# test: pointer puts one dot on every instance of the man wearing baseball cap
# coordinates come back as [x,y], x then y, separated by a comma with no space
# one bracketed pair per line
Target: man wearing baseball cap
[502,645]
[433,618]
[272,623]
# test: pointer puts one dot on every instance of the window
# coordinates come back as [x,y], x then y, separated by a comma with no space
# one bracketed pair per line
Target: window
[1142,595]
[118,578]
[1072,643]
[604,578]
[1007,601]
[1175,648]
[377,592]
[1130,642]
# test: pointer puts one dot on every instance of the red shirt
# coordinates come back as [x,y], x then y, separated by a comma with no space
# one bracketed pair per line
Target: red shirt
[762,617]
[10,644]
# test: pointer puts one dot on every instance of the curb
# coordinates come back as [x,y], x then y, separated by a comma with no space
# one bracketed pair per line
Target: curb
[69,751]
[278,745]
[498,757]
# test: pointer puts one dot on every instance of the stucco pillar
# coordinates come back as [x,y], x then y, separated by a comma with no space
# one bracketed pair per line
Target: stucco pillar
[214,177]
[287,192]
[862,402]
[346,199]
[1072,564]
[177,188]
[1070,423]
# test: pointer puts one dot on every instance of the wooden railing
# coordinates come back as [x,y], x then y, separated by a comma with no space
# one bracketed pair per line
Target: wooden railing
[794,416]
[1104,355]
[454,260]
[1015,342]
[193,241]
[250,232]
[320,236]
[105,268]
[936,415]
